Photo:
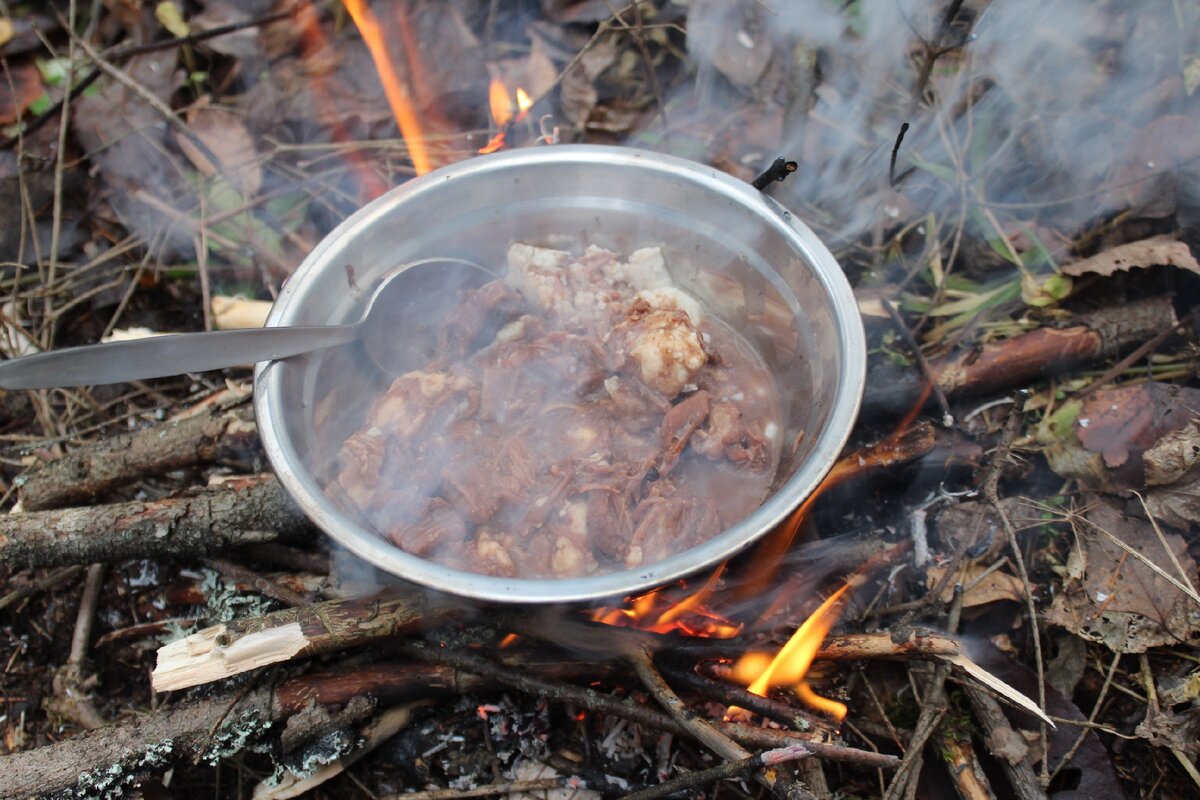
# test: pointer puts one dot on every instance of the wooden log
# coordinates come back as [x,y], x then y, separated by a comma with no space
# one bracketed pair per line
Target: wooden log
[247,511]
[1021,359]
[231,648]
[90,471]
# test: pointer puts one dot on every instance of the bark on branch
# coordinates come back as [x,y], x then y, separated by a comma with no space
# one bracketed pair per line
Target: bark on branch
[208,521]
[96,468]
[1023,358]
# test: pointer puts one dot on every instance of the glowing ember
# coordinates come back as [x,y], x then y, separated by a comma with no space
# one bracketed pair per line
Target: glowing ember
[508,641]
[790,665]
[658,613]
[393,87]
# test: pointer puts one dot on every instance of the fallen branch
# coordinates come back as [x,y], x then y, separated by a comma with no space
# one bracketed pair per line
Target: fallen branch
[231,648]
[248,511]
[1021,359]
[1006,745]
[94,469]
[105,761]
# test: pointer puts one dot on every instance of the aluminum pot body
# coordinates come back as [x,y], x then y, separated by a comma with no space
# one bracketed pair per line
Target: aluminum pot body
[745,256]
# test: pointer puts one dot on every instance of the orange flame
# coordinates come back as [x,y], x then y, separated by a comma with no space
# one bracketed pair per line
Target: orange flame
[504,112]
[393,87]
[508,641]
[656,612]
[791,664]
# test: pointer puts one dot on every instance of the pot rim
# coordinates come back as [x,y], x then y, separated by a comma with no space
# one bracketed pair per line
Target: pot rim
[369,546]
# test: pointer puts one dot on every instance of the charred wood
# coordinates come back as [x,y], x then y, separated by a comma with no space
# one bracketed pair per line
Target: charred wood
[248,511]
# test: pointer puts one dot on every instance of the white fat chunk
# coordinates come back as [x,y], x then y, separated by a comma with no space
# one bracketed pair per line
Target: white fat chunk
[671,299]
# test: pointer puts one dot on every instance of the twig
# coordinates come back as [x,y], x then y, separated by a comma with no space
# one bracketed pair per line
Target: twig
[779,170]
[71,687]
[693,782]
[634,712]
[732,695]
[895,152]
[60,161]
[965,770]
[999,737]
[30,589]
[251,511]
[911,343]
[991,494]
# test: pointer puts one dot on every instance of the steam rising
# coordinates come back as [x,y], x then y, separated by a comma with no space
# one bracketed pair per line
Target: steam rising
[1045,103]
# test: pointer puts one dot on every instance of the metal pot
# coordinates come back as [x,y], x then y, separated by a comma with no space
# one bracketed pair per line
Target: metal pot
[746,257]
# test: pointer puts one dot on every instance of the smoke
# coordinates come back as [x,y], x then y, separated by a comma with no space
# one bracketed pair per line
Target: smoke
[1043,109]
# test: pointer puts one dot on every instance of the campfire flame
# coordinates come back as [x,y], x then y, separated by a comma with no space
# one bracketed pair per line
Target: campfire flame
[791,663]
[395,89]
[656,611]
[505,111]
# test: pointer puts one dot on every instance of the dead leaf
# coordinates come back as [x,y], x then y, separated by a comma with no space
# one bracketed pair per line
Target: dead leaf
[223,132]
[1152,252]
[731,37]
[1007,744]
[996,585]
[1121,601]
[27,83]
[1177,505]
[1122,424]
[243,44]
[1165,728]
[1174,690]
[1066,668]
[577,93]
[1174,455]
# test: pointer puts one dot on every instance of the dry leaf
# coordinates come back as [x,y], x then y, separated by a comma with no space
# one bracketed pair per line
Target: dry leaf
[731,37]
[1123,424]
[1156,251]
[1121,601]
[996,585]
[1174,455]
[1177,505]
[225,134]
[27,82]
[1165,728]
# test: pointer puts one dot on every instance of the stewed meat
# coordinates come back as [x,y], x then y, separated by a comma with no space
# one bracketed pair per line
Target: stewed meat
[583,415]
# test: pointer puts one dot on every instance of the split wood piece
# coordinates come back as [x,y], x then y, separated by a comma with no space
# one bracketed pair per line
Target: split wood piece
[96,468]
[1021,359]
[965,770]
[1008,746]
[246,511]
[596,702]
[107,761]
[232,648]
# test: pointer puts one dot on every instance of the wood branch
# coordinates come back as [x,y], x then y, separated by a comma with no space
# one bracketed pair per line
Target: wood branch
[231,648]
[965,770]
[108,760]
[1008,746]
[247,511]
[1024,358]
[191,592]
[90,471]
[732,695]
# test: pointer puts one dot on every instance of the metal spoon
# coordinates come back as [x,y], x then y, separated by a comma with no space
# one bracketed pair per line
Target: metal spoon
[397,329]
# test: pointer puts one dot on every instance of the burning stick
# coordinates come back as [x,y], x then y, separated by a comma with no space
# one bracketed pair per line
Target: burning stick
[234,647]
[1023,358]
[248,511]
[98,467]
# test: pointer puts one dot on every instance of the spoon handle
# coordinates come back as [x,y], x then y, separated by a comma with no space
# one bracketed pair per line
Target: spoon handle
[160,356]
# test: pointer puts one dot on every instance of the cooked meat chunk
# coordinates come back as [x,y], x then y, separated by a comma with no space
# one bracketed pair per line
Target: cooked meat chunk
[660,347]
[581,416]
